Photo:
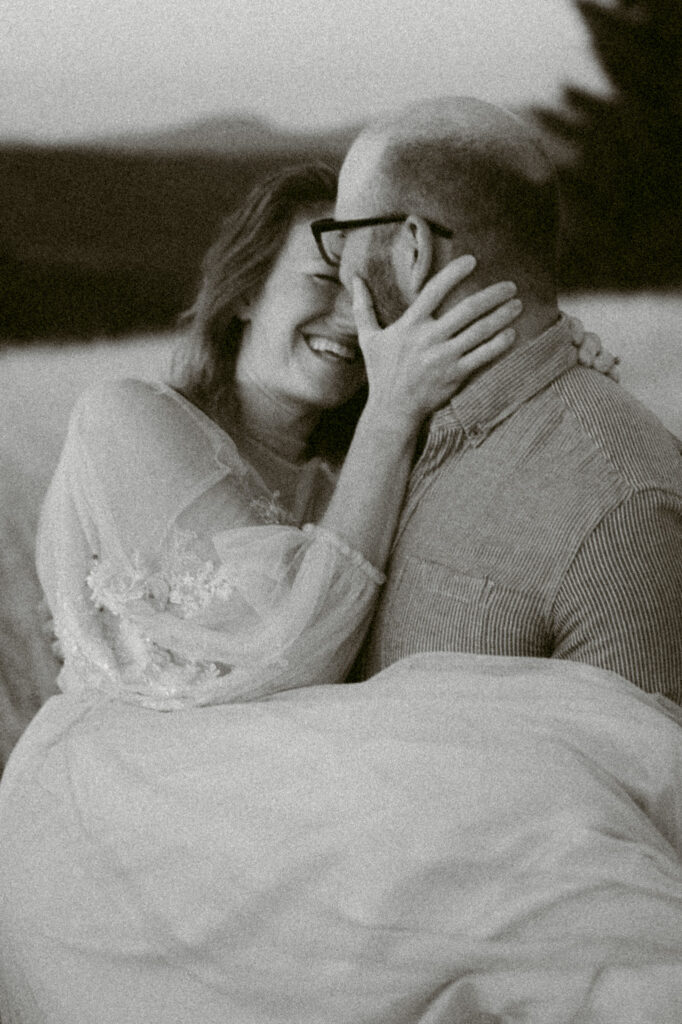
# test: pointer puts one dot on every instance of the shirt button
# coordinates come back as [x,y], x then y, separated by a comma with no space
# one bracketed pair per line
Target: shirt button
[475,433]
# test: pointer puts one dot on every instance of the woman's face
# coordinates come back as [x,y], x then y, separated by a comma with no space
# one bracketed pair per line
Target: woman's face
[299,342]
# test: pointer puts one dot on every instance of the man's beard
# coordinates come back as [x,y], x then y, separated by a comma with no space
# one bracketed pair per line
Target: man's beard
[389,304]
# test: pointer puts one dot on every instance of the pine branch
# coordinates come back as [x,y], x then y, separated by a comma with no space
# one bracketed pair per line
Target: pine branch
[586,107]
[619,156]
[639,46]
[614,33]
[557,124]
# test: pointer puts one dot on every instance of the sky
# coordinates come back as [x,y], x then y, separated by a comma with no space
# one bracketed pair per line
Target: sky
[75,69]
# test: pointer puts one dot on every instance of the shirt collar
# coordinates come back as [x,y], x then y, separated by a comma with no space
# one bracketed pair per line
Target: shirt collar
[496,393]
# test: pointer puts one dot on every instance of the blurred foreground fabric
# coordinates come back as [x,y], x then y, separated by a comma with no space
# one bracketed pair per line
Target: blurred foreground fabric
[462,839]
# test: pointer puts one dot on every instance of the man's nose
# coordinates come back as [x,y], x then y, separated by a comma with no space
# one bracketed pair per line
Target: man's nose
[341,318]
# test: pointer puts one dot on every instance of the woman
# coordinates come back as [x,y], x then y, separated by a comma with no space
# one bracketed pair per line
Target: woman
[278,849]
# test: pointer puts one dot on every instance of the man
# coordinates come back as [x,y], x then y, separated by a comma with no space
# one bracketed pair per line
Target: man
[544,513]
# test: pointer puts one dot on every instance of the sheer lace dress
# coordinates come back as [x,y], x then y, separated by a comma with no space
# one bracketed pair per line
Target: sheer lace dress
[175,576]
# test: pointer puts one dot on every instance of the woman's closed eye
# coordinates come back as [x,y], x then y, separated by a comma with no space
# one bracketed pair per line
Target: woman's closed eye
[330,278]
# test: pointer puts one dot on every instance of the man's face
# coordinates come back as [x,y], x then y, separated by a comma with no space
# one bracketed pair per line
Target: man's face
[380,276]
[367,251]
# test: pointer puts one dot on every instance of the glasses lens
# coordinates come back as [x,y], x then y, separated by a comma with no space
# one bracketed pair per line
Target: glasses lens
[333,245]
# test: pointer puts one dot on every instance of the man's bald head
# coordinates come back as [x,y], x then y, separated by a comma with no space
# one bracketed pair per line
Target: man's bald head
[472,167]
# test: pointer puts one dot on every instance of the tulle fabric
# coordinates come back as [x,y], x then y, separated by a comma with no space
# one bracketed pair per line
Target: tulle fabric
[460,840]
[158,605]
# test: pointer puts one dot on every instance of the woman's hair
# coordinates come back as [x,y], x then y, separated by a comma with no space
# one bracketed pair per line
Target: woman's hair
[234,269]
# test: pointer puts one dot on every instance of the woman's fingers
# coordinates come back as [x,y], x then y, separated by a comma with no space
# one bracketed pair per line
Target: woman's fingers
[577,329]
[476,306]
[437,287]
[590,347]
[485,353]
[363,308]
[484,327]
[607,363]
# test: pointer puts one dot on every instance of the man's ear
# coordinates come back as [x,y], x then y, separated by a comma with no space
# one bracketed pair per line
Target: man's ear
[413,256]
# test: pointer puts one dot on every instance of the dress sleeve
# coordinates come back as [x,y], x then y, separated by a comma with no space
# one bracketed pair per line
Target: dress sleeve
[145,459]
[174,591]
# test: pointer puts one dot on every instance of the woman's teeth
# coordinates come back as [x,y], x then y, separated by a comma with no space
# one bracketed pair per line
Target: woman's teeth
[331,347]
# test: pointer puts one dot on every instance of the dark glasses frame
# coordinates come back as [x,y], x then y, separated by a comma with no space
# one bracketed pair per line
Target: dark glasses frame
[321,227]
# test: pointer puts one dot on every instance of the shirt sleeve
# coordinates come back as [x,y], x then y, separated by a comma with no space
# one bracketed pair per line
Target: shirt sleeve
[620,604]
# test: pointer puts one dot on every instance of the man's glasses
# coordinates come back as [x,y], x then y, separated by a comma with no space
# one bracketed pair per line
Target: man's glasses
[330,234]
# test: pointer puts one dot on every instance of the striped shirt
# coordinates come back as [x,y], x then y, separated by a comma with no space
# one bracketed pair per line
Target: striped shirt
[543,518]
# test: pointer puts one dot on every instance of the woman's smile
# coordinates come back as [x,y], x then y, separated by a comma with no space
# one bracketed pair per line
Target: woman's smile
[333,349]
[299,340]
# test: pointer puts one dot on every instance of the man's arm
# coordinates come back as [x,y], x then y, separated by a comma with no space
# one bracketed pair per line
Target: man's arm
[620,604]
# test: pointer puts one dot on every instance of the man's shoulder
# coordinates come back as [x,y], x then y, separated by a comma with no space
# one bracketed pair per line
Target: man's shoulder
[616,429]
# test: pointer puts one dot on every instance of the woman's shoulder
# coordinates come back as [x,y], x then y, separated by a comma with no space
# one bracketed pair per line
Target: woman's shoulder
[150,415]
[119,398]
[130,405]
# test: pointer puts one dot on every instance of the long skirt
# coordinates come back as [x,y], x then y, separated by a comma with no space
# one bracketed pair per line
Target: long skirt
[460,840]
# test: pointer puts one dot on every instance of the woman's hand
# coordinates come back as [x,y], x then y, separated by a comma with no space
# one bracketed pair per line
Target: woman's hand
[591,352]
[413,367]
[417,363]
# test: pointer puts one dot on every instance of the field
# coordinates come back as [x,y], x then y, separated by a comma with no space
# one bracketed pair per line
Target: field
[40,381]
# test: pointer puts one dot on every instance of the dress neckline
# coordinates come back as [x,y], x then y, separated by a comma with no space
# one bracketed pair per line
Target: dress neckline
[300,472]
[315,460]
[194,409]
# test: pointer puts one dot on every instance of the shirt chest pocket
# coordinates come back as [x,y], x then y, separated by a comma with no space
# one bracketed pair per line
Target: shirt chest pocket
[427,606]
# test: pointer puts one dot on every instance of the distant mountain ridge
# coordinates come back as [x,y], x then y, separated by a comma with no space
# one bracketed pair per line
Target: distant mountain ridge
[241,133]
[106,235]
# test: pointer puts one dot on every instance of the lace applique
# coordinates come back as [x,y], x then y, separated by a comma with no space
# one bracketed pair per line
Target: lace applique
[115,589]
[269,510]
[182,585]
[181,582]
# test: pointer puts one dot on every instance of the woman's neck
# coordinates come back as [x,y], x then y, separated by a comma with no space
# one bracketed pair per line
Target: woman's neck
[280,426]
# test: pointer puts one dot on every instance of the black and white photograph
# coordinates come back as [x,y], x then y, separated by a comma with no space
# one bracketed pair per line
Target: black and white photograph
[341,512]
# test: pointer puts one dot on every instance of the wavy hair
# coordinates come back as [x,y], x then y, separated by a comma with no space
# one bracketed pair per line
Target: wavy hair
[235,268]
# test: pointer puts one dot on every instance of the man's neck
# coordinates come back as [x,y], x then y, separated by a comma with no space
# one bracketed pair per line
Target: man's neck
[534,320]
[531,325]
